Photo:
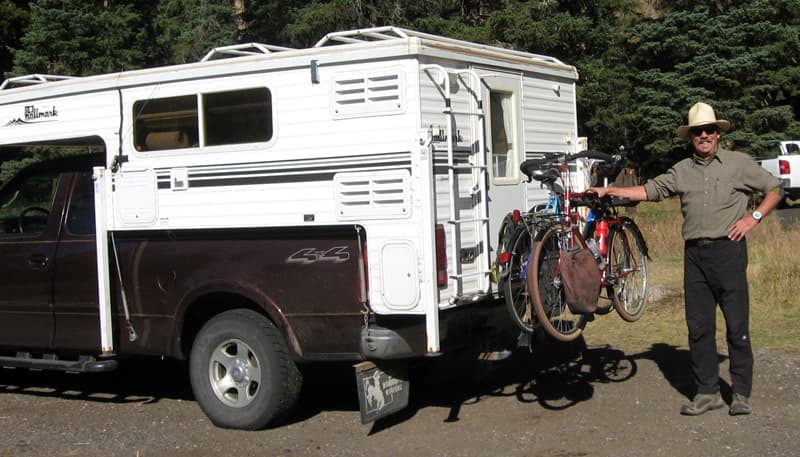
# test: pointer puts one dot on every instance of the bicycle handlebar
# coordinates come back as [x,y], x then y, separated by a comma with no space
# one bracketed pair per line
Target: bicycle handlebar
[595,202]
[527,167]
[590,155]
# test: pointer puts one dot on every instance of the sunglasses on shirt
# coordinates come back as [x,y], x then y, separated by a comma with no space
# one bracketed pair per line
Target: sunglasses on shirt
[709,129]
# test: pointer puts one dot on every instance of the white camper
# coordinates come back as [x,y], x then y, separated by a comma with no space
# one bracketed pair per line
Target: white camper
[411,140]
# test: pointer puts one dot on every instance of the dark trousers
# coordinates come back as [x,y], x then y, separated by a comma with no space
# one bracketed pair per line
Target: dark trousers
[715,272]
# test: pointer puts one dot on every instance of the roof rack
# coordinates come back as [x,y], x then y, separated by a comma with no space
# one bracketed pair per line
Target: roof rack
[244,49]
[33,79]
[398,33]
[363,35]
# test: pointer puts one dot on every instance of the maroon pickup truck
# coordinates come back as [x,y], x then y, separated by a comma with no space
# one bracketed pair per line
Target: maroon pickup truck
[243,306]
[230,303]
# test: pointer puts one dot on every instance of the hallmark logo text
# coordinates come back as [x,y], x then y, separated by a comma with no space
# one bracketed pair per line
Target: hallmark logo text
[33,113]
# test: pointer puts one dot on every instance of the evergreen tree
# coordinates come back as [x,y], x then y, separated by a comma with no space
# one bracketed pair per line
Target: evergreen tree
[265,21]
[76,37]
[13,21]
[187,29]
[738,58]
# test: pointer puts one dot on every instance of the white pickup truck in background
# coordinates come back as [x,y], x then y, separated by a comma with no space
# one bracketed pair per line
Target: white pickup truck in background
[786,166]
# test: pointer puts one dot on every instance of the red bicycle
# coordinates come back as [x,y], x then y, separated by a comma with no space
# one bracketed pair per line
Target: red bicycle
[539,239]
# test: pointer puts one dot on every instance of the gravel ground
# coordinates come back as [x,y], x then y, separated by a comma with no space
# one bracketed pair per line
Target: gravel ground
[560,401]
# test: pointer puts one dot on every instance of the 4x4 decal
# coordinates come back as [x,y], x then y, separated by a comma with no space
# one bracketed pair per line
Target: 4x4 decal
[338,254]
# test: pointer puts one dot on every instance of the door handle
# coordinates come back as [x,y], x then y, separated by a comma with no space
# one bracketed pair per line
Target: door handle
[38,262]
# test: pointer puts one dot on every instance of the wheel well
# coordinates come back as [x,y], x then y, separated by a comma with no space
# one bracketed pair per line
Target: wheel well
[205,308]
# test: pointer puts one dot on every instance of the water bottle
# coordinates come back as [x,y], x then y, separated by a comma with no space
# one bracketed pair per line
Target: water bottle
[592,245]
[601,233]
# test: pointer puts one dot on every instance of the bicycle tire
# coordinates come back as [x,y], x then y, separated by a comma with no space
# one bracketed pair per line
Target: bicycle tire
[627,265]
[552,311]
[515,289]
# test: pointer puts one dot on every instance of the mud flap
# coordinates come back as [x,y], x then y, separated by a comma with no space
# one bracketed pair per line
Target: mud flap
[381,391]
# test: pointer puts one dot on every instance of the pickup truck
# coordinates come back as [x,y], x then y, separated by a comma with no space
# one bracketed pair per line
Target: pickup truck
[786,166]
[244,307]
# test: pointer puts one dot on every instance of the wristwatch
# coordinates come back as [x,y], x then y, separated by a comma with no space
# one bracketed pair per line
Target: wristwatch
[757,215]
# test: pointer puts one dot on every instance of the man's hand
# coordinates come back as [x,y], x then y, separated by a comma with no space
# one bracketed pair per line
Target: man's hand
[742,227]
[600,191]
[634,193]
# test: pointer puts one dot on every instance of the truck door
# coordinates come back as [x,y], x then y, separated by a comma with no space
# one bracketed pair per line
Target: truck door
[77,321]
[29,225]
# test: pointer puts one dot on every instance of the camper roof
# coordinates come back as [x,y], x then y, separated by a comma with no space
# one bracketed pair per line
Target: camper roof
[384,41]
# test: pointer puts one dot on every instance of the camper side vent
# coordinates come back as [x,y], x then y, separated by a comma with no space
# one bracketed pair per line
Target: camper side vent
[382,194]
[356,95]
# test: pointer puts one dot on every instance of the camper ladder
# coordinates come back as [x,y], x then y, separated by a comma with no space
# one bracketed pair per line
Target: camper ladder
[479,170]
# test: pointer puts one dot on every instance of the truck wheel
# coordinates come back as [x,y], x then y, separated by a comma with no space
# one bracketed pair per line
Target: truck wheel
[241,372]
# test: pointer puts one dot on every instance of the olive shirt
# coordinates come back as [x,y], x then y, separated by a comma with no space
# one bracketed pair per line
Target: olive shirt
[714,194]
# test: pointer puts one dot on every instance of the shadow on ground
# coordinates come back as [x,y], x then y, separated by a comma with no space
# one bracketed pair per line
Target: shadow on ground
[137,380]
[555,375]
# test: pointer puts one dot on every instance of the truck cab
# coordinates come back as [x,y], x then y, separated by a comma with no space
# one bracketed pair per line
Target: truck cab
[47,243]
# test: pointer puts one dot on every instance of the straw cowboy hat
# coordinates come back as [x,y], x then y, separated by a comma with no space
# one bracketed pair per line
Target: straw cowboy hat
[702,114]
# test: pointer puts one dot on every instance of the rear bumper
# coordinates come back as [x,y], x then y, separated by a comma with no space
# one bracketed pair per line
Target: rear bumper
[399,337]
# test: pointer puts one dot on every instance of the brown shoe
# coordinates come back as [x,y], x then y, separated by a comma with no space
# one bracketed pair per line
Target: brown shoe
[702,403]
[740,405]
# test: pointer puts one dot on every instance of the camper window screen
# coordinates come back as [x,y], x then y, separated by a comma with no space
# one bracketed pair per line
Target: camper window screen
[166,123]
[239,116]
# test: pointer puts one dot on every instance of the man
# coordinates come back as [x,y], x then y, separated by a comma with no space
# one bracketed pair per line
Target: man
[714,187]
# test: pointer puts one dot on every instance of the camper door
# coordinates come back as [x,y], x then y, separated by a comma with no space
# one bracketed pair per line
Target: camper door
[504,142]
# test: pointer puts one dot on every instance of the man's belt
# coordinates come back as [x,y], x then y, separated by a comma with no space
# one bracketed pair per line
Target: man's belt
[705,241]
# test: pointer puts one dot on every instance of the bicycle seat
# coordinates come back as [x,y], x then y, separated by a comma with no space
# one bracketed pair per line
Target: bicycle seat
[546,175]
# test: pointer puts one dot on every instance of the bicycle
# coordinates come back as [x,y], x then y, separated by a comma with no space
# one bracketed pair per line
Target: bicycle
[541,236]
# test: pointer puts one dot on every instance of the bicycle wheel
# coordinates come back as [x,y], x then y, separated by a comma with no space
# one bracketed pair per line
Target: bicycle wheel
[547,292]
[627,270]
[515,290]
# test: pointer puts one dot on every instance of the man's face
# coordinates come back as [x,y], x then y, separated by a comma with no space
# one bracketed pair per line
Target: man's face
[705,139]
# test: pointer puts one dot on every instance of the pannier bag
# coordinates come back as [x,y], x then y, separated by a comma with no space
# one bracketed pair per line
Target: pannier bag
[581,280]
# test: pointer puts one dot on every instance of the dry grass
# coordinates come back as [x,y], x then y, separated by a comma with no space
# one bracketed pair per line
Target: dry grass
[774,269]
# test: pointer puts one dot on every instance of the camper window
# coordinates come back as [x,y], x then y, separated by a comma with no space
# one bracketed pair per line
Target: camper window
[502,130]
[232,117]
[240,116]
[166,123]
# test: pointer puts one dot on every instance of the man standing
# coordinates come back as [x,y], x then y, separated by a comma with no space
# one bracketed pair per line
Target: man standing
[714,187]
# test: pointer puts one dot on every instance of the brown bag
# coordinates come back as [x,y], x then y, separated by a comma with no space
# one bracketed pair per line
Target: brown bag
[581,280]
[627,178]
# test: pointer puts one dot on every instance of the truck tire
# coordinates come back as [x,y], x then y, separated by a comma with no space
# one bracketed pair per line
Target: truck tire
[241,372]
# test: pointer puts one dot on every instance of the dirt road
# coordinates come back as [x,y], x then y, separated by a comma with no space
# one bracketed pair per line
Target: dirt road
[560,401]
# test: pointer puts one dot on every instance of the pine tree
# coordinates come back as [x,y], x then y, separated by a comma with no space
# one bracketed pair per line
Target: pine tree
[76,37]
[187,29]
[13,21]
